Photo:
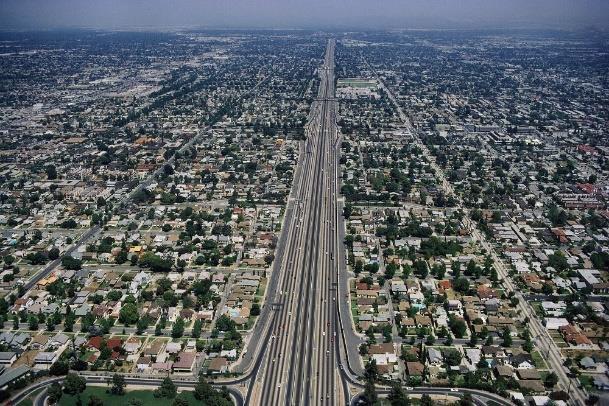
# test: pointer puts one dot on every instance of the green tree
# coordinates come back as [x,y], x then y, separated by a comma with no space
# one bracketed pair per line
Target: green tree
[166,390]
[51,172]
[114,295]
[177,330]
[547,289]
[74,384]
[37,258]
[558,261]
[551,380]
[69,223]
[8,260]
[118,385]
[128,314]
[371,371]
[71,263]
[426,400]
[473,339]
[461,285]
[457,326]
[54,393]
[507,337]
[180,402]
[142,325]
[3,306]
[466,400]
[196,328]
[33,322]
[50,324]
[452,357]
[255,310]
[206,393]
[155,263]
[369,397]
[53,253]
[224,323]
[59,368]
[397,396]
[347,210]
[122,257]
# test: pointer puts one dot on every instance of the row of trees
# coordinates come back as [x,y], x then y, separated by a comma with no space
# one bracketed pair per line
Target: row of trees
[74,385]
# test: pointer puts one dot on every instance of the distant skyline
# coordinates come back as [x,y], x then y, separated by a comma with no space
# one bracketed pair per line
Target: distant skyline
[307,14]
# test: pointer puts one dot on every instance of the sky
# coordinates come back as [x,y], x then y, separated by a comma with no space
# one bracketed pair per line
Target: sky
[308,14]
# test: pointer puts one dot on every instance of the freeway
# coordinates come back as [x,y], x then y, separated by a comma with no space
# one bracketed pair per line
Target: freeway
[298,364]
[303,349]
[293,353]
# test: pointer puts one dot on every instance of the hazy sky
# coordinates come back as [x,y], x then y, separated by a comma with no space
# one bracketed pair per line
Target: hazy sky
[352,14]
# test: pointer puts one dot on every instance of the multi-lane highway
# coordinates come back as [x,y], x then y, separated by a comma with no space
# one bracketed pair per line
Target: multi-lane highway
[303,350]
[299,362]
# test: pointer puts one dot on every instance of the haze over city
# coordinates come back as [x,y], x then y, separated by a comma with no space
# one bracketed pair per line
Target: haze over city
[345,14]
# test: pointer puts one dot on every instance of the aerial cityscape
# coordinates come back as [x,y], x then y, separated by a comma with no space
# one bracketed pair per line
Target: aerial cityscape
[310,215]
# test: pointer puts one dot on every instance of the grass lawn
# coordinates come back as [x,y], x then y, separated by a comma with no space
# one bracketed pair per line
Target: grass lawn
[261,288]
[587,381]
[146,397]
[537,307]
[538,360]
[354,309]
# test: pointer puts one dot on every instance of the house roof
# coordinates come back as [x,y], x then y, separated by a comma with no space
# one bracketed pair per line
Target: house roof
[528,374]
[217,364]
[12,374]
[95,342]
[383,348]
[40,339]
[113,343]
[7,355]
[533,385]
[185,360]
[415,368]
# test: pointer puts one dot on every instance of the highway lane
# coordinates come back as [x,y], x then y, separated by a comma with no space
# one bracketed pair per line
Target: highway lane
[480,397]
[302,350]
[321,368]
[298,364]
[282,280]
[327,386]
